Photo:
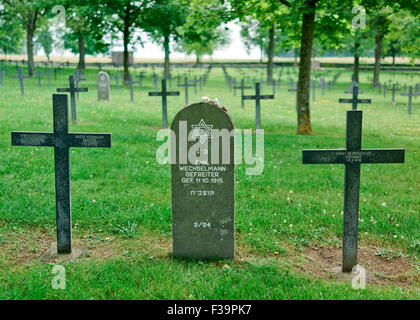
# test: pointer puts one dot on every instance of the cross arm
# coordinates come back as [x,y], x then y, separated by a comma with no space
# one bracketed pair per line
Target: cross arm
[172,93]
[93,140]
[39,139]
[338,156]
[155,93]
[63,89]
[358,101]
[267,96]
[81,89]
[249,97]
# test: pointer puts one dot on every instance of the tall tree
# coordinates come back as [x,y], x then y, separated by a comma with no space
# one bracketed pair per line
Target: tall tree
[269,14]
[324,20]
[202,41]
[86,28]
[28,13]
[11,34]
[404,35]
[164,19]
[126,16]
[203,31]
[45,40]
[252,35]
[379,14]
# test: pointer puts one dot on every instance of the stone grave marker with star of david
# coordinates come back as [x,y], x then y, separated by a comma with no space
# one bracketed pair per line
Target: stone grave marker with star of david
[202,169]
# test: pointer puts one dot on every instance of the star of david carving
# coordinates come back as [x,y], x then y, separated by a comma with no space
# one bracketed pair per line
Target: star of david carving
[202,131]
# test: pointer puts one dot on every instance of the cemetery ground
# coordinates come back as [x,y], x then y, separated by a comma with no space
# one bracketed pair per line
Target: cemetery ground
[288,220]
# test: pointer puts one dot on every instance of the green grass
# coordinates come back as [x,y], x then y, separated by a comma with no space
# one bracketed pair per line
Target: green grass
[121,197]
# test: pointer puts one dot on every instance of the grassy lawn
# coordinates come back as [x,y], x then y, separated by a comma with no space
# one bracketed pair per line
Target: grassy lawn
[288,219]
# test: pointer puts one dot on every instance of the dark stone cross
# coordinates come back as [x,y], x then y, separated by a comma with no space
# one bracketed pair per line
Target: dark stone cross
[242,87]
[186,85]
[62,140]
[48,72]
[155,81]
[131,82]
[410,95]
[79,78]
[117,78]
[258,97]
[20,77]
[352,157]
[197,80]
[293,86]
[164,94]
[72,89]
[354,100]
[274,83]
[141,77]
[322,85]
[38,75]
[350,88]
[313,87]
[394,89]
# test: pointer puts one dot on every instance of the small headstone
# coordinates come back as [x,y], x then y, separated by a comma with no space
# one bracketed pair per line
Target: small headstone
[203,182]
[103,82]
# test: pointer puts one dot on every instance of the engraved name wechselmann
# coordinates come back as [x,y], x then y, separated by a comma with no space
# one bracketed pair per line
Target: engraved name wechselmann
[202,174]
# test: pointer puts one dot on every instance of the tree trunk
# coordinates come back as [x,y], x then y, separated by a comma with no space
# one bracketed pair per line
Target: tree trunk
[197,58]
[270,54]
[81,64]
[356,66]
[302,104]
[378,56]
[166,64]
[30,29]
[126,36]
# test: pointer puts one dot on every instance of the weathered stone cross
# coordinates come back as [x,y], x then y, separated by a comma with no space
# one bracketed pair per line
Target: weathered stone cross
[62,140]
[20,77]
[352,157]
[257,97]
[72,89]
[410,95]
[186,85]
[242,87]
[354,100]
[164,94]
[393,89]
